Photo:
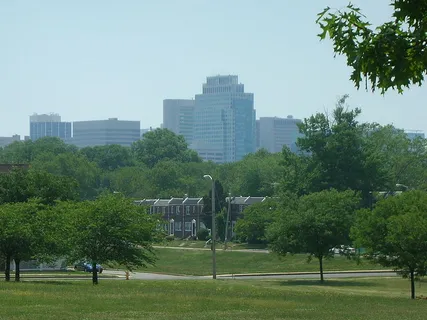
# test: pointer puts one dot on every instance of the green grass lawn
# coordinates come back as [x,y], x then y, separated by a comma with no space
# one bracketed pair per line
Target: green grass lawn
[233,299]
[198,262]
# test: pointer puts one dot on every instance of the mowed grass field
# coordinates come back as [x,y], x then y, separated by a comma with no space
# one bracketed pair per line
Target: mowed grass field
[365,299]
[199,262]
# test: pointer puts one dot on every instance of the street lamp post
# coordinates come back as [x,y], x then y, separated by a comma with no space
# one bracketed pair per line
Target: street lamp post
[213,232]
[183,216]
[226,222]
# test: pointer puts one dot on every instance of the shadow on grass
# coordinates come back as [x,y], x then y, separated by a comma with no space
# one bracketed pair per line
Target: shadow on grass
[51,282]
[327,283]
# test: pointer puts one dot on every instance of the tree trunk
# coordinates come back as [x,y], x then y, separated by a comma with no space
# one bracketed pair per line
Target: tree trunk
[17,270]
[94,274]
[412,285]
[321,268]
[7,268]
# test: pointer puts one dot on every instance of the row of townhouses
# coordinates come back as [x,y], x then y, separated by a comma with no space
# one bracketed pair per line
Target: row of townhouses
[184,216]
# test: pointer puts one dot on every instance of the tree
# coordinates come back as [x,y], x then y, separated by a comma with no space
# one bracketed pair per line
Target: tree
[340,157]
[19,185]
[27,151]
[111,229]
[76,166]
[391,56]
[394,234]
[314,224]
[251,228]
[301,173]
[256,174]
[404,159]
[160,145]
[220,204]
[29,230]
[109,157]
[132,182]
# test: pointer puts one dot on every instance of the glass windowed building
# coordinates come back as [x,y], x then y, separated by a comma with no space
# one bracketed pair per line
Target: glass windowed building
[224,120]
[49,125]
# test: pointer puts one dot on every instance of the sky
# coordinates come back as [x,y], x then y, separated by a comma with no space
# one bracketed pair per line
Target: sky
[98,59]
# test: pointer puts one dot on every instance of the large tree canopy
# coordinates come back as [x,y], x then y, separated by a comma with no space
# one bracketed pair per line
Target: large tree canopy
[394,233]
[160,145]
[314,224]
[390,56]
[337,155]
[111,229]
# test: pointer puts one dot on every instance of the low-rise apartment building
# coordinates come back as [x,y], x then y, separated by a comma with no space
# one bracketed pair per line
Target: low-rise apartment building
[183,217]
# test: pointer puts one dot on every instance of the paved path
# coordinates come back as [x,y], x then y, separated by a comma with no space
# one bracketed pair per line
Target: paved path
[327,275]
[217,249]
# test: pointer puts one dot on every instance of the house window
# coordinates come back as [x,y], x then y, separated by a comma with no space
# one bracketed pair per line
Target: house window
[178,209]
[188,226]
[187,209]
[178,226]
[163,210]
[194,209]
[240,208]
[171,209]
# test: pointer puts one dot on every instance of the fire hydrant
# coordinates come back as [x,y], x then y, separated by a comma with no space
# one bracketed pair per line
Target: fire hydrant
[127,275]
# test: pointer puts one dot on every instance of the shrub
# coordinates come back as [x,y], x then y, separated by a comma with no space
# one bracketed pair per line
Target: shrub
[203,234]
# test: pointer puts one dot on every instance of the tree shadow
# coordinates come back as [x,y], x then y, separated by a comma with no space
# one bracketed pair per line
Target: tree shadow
[51,282]
[327,283]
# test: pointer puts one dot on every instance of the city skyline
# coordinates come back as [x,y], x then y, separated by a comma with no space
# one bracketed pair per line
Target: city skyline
[97,60]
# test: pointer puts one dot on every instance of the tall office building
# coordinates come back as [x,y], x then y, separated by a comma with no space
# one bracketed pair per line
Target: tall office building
[224,120]
[49,125]
[105,132]
[274,133]
[178,117]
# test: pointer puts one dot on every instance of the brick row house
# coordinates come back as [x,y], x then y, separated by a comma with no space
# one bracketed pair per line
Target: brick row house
[184,216]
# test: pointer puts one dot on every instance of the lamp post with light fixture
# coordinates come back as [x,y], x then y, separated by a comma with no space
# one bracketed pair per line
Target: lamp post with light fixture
[213,231]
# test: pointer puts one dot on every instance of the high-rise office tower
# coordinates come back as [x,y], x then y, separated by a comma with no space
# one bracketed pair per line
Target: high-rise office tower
[49,125]
[224,120]
[178,117]
[274,133]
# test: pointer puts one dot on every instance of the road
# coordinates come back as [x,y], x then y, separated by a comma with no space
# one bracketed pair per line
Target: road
[217,249]
[335,275]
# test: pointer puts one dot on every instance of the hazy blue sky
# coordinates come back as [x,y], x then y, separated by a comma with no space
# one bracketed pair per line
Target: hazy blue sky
[95,59]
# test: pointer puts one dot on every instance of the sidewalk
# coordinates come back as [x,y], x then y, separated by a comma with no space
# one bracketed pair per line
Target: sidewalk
[302,273]
[217,249]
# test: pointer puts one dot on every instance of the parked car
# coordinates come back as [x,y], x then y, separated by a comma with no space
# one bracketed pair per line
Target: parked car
[87,267]
[343,250]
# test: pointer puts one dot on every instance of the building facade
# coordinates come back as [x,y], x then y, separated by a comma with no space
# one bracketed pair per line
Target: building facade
[49,125]
[415,134]
[4,141]
[183,217]
[105,132]
[224,120]
[275,133]
[178,117]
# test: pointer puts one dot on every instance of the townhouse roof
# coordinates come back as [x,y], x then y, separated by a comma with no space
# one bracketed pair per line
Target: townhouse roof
[241,200]
[193,201]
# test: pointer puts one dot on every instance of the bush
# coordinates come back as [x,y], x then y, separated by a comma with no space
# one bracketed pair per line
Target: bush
[170,237]
[203,234]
